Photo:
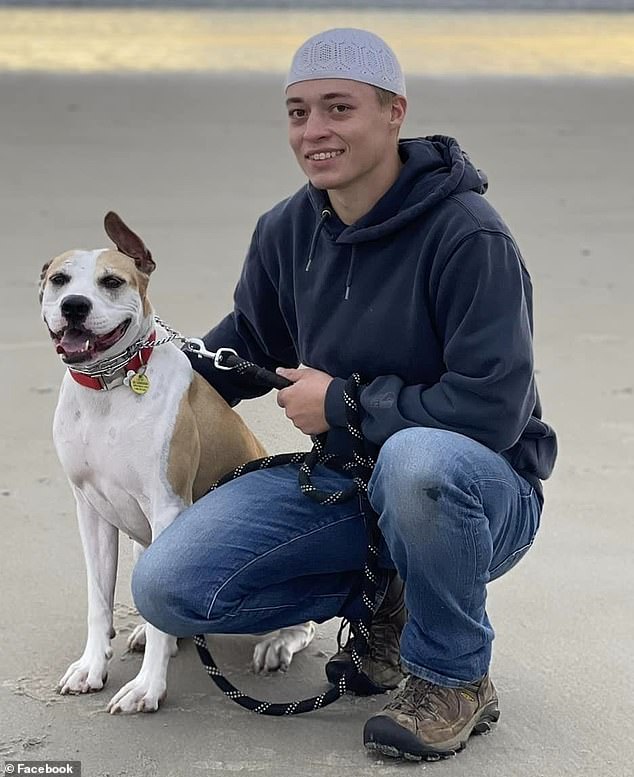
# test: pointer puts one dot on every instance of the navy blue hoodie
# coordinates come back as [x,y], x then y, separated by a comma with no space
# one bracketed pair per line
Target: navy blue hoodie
[426,296]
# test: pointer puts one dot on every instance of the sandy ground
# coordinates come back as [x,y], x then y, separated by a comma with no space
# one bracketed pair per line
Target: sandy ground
[191,161]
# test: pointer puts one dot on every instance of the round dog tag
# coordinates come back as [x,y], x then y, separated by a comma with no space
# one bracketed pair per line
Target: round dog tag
[140,383]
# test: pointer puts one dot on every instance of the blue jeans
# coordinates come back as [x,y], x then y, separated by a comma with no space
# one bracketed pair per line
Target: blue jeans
[256,555]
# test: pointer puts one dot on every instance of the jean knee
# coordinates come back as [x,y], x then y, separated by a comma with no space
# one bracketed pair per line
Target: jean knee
[153,590]
[142,584]
[420,463]
[421,478]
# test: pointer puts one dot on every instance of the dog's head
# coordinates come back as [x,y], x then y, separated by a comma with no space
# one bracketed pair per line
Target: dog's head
[95,303]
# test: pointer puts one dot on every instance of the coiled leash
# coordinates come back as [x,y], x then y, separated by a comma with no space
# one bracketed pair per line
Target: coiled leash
[360,467]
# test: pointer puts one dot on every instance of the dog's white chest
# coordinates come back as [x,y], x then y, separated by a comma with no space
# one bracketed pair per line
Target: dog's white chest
[114,445]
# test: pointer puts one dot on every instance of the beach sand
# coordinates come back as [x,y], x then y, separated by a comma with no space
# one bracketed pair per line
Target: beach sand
[190,162]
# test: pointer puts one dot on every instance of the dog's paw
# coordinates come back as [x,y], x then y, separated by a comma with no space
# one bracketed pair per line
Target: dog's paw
[138,696]
[272,654]
[136,641]
[85,675]
[277,650]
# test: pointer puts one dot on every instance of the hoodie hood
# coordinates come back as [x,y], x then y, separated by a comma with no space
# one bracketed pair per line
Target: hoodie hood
[434,168]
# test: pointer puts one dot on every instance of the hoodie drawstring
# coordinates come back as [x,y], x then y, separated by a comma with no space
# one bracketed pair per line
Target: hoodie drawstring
[325,214]
[350,271]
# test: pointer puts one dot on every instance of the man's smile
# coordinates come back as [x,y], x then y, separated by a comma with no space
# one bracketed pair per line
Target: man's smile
[321,156]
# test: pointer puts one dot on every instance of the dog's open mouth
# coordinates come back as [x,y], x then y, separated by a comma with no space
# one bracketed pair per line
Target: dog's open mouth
[76,344]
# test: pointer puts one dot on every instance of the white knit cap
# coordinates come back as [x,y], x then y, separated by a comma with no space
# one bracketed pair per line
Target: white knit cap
[357,55]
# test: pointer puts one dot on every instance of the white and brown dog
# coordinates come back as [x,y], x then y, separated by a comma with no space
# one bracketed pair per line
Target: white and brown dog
[140,436]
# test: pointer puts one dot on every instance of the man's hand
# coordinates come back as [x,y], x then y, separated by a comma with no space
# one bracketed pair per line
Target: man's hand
[304,401]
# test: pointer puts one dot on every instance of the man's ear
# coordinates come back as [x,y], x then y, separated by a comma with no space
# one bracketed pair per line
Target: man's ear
[128,242]
[43,279]
[398,111]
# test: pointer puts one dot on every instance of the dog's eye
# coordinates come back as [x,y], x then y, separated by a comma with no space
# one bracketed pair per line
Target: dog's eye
[59,279]
[111,282]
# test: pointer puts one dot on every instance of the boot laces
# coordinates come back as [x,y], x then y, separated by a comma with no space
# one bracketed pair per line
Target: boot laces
[421,696]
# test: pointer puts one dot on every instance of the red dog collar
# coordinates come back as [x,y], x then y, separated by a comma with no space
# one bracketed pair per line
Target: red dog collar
[98,383]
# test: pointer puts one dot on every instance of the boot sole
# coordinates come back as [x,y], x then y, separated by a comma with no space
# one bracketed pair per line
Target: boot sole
[394,741]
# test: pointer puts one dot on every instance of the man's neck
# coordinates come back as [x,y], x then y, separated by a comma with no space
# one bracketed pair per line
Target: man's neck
[353,202]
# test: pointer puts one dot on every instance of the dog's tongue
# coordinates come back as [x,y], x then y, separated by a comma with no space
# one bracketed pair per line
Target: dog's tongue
[74,341]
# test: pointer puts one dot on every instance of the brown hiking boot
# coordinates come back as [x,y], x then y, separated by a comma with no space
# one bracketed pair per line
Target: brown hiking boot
[381,667]
[425,721]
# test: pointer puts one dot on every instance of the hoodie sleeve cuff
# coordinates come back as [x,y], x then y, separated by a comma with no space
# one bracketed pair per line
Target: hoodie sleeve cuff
[335,406]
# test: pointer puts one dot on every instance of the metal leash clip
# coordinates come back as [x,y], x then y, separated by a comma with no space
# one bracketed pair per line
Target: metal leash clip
[197,346]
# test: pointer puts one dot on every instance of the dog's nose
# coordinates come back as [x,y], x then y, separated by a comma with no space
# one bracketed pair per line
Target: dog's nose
[75,308]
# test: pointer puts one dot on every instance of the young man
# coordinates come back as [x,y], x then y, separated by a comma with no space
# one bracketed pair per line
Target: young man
[390,263]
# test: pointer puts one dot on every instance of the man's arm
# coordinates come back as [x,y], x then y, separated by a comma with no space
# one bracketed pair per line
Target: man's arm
[483,316]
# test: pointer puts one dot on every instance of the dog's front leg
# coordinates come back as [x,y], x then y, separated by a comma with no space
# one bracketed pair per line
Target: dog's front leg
[137,639]
[100,542]
[148,689]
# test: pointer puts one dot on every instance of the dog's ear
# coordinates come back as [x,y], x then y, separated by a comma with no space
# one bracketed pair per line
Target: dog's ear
[43,279]
[128,243]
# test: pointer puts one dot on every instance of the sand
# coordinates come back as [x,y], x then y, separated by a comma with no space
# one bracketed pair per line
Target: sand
[190,162]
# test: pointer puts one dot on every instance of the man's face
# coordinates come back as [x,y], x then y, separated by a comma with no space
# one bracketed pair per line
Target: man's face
[338,131]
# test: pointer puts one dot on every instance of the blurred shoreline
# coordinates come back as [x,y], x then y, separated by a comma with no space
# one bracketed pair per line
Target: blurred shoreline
[429,43]
[311,5]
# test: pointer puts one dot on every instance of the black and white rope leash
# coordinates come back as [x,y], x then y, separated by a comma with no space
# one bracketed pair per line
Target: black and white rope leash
[360,467]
